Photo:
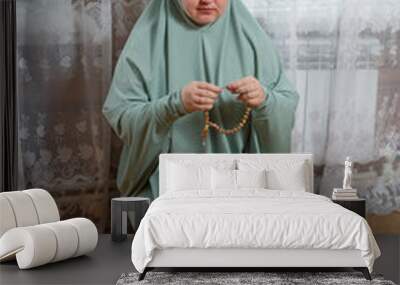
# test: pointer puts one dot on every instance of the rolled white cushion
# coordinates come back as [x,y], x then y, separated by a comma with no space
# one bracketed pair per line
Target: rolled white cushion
[33,246]
[23,208]
[45,243]
[87,234]
[45,205]
[7,218]
[67,240]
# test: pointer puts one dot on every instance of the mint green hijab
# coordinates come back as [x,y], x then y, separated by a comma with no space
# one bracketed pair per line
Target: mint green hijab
[164,52]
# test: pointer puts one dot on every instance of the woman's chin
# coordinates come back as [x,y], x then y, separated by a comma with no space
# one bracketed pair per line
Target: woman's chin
[205,19]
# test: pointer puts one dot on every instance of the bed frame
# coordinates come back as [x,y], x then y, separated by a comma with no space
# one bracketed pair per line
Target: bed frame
[236,259]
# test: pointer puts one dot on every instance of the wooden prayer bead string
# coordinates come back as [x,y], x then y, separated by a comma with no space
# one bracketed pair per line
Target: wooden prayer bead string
[208,123]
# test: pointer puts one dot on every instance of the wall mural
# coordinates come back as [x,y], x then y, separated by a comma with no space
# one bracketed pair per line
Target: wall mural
[342,55]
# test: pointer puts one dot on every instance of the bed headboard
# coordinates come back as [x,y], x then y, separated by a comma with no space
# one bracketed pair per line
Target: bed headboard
[165,157]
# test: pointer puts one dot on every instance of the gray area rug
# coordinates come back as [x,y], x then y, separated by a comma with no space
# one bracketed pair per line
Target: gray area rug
[244,278]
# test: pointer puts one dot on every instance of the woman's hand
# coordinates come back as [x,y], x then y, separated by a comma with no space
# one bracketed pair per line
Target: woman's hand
[199,96]
[251,92]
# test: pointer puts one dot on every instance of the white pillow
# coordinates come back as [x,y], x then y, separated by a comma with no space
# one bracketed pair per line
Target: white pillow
[281,174]
[229,179]
[251,178]
[188,177]
[220,163]
[223,179]
[291,179]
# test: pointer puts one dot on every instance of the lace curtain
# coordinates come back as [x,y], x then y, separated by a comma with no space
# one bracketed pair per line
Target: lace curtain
[342,55]
[344,58]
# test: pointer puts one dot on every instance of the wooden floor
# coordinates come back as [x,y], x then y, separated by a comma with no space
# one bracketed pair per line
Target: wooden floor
[103,266]
[385,224]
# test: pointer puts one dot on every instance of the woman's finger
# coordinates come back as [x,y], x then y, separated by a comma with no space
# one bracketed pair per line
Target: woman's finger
[252,94]
[209,86]
[198,100]
[206,93]
[204,108]
[247,88]
[239,83]
[242,97]
[254,103]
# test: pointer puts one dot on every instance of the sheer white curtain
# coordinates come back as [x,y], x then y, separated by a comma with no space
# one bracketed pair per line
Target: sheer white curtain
[344,58]
[64,70]
[331,64]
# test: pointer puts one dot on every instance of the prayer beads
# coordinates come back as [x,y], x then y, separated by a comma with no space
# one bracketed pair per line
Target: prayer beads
[208,123]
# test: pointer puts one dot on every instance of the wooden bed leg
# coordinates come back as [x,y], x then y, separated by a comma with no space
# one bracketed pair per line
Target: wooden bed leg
[364,271]
[143,274]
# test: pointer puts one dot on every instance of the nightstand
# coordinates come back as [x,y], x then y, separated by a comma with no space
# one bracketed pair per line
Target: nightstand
[355,205]
[119,214]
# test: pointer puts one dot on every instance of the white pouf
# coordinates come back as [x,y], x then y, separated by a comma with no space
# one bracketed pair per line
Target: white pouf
[7,220]
[32,246]
[37,245]
[45,205]
[67,237]
[31,232]
[87,233]
[23,208]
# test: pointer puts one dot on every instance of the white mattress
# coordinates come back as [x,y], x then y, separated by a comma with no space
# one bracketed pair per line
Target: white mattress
[252,218]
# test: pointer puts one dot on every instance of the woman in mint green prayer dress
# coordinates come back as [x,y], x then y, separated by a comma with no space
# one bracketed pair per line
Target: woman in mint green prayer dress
[184,57]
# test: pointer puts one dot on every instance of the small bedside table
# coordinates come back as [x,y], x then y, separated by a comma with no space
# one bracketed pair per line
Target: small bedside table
[355,205]
[119,214]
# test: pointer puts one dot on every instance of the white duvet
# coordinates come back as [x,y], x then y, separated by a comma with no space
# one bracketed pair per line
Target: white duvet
[252,218]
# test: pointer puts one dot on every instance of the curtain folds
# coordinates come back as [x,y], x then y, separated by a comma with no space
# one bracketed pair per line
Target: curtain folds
[8,99]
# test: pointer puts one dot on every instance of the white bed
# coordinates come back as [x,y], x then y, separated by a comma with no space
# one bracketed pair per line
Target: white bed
[248,226]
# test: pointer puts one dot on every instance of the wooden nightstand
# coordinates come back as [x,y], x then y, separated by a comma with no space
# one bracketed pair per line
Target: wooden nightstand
[355,205]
